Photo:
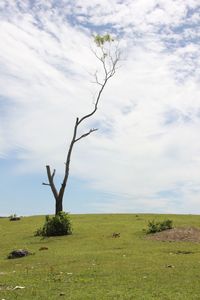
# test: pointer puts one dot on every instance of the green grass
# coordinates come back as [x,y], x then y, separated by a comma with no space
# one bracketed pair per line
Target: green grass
[90,264]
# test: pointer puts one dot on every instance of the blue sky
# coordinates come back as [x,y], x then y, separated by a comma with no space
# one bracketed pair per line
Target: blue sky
[145,157]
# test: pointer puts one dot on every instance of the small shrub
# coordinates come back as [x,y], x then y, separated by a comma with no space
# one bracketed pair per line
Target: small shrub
[14,218]
[55,226]
[39,232]
[166,224]
[154,227]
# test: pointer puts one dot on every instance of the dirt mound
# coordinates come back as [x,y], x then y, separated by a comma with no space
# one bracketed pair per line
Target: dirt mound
[189,234]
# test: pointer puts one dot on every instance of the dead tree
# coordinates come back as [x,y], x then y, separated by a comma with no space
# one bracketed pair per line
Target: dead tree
[108,57]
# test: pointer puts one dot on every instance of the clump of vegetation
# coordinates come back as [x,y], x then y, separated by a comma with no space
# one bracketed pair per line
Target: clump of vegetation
[100,40]
[154,227]
[58,225]
[14,218]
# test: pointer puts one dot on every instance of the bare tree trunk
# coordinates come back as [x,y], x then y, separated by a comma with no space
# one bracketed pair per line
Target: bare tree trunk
[59,205]
[109,63]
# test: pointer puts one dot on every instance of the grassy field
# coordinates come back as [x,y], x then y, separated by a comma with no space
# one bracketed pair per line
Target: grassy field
[91,264]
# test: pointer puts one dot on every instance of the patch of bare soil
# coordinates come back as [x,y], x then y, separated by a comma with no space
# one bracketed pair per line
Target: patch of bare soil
[188,234]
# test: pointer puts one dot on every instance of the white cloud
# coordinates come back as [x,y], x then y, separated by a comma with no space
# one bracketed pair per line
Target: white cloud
[149,113]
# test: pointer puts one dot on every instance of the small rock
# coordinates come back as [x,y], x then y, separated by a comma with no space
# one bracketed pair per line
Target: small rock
[62,294]
[18,253]
[169,266]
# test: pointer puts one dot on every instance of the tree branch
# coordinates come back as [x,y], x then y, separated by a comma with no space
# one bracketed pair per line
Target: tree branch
[67,162]
[96,103]
[51,182]
[109,63]
[85,134]
[54,172]
[96,79]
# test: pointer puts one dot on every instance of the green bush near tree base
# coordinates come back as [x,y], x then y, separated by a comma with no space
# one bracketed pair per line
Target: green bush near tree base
[58,225]
[154,227]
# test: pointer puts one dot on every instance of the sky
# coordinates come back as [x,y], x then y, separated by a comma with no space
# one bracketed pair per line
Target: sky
[145,156]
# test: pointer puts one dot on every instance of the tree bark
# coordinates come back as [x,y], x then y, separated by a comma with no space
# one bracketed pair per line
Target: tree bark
[59,205]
